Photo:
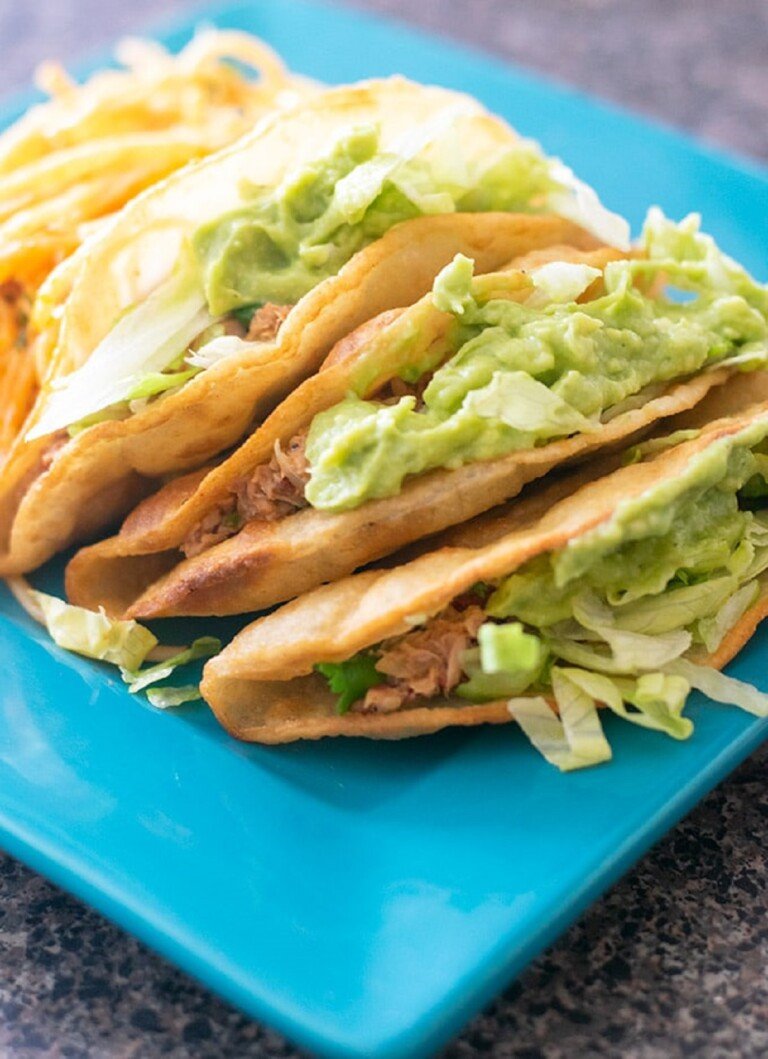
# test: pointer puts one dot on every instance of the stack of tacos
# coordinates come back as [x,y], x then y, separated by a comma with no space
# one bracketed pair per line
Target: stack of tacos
[383,321]
[427,416]
[211,296]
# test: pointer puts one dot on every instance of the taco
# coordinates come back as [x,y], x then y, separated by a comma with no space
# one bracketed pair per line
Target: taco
[168,341]
[426,418]
[625,584]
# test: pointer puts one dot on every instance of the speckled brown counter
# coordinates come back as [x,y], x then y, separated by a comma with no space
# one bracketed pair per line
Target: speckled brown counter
[674,961]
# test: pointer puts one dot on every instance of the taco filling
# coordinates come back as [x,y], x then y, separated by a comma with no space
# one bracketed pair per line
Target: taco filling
[622,616]
[254,262]
[513,375]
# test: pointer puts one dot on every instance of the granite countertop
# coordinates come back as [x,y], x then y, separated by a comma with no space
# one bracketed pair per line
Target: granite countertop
[672,962]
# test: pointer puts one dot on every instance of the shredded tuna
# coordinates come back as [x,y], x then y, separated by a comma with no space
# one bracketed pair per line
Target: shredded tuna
[266,322]
[384,698]
[215,527]
[275,489]
[425,662]
[293,463]
[232,326]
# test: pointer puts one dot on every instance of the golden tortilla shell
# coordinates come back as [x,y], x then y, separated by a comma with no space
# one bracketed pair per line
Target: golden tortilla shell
[262,687]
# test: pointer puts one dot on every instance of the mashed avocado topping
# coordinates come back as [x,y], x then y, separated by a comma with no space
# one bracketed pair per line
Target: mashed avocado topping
[283,241]
[617,617]
[669,540]
[522,374]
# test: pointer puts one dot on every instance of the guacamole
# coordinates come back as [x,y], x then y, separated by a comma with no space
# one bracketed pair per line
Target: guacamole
[522,374]
[283,241]
[670,539]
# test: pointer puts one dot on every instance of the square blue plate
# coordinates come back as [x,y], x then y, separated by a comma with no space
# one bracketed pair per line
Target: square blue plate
[364,898]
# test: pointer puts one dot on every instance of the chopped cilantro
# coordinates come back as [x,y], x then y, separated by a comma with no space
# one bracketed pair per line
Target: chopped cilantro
[351,678]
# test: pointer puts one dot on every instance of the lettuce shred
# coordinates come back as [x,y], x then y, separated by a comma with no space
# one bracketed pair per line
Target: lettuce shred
[164,698]
[125,644]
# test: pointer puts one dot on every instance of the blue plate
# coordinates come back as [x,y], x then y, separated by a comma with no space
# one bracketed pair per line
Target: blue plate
[364,898]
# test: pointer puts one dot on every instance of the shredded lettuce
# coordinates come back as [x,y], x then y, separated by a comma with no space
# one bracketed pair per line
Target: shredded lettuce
[508,648]
[720,687]
[675,608]
[351,678]
[93,634]
[156,382]
[580,721]
[693,260]
[555,282]
[526,405]
[661,699]
[125,644]
[218,349]
[587,657]
[138,679]
[560,281]
[146,339]
[544,729]
[577,740]
[632,651]
[164,698]
[574,740]
[658,699]
[712,629]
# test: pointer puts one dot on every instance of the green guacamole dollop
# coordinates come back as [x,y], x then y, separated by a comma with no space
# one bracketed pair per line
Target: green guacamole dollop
[522,374]
[686,529]
[283,241]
